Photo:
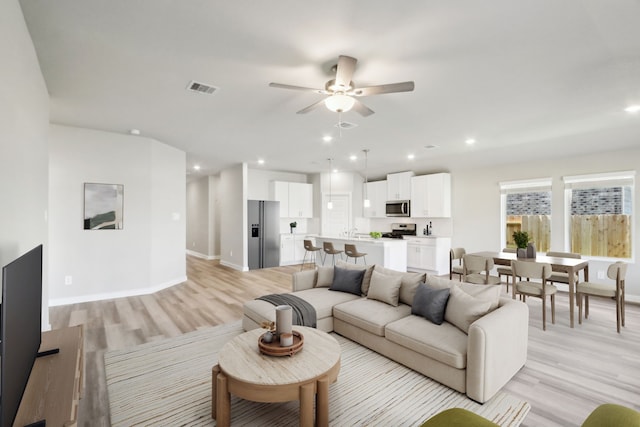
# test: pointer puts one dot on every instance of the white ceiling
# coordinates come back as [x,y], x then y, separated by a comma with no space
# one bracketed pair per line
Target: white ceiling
[525,78]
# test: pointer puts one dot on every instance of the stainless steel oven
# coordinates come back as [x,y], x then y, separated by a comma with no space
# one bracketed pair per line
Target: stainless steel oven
[399,208]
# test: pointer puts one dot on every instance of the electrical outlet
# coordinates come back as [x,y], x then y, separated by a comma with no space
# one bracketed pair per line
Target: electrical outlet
[68,280]
[230,253]
[600,274]
[193,244]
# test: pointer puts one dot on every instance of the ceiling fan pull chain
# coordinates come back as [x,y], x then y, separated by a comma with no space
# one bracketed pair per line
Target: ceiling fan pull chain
[340,124]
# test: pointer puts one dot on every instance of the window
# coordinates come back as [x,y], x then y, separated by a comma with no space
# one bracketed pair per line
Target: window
[526,206]
[599,211]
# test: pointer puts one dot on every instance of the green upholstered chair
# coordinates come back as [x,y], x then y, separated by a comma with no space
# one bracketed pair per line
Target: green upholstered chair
[606,415]
[457,417]
[610,415]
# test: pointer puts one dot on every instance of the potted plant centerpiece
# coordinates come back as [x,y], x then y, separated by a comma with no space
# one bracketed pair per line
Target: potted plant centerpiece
[526,248]
[293,225]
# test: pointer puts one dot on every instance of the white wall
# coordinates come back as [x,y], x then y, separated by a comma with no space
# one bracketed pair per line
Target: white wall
[199,222]
[233,217]
[24,123]
[476,202]
[148,254]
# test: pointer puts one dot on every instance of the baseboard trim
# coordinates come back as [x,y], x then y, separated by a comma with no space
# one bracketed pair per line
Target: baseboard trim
[120,294]
[202,256]
[234,266]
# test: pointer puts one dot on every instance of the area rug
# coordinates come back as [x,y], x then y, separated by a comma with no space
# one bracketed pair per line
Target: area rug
[168,383]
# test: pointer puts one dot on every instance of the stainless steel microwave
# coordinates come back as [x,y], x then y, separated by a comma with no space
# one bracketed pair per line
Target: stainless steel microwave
[399,208]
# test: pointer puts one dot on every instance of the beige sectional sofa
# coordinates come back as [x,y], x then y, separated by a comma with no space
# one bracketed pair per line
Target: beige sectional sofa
[479,346]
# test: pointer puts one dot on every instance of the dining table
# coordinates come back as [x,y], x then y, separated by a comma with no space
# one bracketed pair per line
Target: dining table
[571,266]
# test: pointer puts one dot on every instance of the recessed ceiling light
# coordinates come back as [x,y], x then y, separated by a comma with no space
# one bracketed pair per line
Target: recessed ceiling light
[353,157]
[261,161]
[327,138]
[134,131]
[411,156]
[470,141]
[632,109]
[196,167]
[335,171]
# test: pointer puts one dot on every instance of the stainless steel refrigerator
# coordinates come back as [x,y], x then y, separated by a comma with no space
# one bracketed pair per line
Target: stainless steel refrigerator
[264,233]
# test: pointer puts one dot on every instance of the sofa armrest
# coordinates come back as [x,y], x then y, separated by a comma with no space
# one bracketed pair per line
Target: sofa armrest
[497,348]
[305,279]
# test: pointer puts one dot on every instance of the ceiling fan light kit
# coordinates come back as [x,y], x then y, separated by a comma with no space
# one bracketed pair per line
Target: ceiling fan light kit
[339,103]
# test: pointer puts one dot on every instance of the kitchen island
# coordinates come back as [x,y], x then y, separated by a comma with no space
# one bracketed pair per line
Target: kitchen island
[389,253]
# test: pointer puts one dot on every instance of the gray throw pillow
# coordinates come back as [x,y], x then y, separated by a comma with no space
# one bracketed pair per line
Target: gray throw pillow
[430,303]
[346,280]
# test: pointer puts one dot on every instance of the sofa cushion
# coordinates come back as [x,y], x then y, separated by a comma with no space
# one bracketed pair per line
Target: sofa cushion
[464,309]
[489,293]
[368,269]
[323,300]
[324,278]
[410,282]
[384,288]
[430,303]
[370,315]
[346,280]
[444,343]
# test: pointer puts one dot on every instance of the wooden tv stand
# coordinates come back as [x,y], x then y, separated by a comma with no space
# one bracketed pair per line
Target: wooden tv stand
[56,381]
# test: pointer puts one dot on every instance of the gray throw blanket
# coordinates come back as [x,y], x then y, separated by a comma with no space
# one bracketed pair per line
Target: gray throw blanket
[303,313]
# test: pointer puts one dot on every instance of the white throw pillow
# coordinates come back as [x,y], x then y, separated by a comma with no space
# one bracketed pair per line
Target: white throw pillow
[385,288]
[464,309]
[325,277]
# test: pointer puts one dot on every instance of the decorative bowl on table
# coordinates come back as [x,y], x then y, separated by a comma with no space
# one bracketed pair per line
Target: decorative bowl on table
[274,348]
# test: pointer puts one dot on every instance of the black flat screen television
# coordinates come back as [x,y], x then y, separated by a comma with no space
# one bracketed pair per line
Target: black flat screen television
[21,329]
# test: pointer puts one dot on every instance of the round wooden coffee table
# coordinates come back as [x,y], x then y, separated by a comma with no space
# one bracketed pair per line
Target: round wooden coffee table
[244,372]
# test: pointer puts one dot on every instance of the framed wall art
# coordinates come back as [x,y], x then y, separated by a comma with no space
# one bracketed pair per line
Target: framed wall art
[103,206]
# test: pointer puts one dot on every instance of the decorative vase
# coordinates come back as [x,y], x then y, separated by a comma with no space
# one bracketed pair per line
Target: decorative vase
[521,253]
[531,250]
[292,228]
[267,337]
[284,319]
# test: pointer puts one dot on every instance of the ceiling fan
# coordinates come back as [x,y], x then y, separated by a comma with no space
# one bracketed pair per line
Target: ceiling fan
[342,93]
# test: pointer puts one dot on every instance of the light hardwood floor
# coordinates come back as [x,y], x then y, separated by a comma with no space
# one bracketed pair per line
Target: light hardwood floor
[568,373]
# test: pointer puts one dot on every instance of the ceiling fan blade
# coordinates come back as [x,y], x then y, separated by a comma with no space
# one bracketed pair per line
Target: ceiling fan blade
[308,89]
[344,71]
[388,88]
[311,107]
[362,109]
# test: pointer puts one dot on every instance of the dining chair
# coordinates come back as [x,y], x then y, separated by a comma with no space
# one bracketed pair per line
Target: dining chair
[505,270]
[476,269]
[456,254]
[351,252]
[539,288]
[311,250]
[616,271]
[330,250]
[561,276]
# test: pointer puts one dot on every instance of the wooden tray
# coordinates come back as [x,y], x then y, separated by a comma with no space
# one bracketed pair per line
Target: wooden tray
[273,348]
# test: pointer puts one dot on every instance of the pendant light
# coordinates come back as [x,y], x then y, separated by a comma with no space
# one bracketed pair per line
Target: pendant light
[367,202]
[330,203]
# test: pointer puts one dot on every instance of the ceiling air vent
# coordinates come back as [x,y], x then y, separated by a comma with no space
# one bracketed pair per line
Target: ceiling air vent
[346,125]
[201,87]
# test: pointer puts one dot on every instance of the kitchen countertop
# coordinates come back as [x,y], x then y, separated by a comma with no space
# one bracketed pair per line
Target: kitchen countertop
[363,239]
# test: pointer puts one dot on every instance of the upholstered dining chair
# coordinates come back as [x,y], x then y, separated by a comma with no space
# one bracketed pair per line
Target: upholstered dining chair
[505,270]
[561,276]
[616,271]
[310,249]
[330,250]
[351,252]
[539,288]
[476,269]
[455,262]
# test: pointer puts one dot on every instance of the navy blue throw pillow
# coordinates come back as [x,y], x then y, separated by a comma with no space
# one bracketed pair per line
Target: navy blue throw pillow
[430,303]
[347,280]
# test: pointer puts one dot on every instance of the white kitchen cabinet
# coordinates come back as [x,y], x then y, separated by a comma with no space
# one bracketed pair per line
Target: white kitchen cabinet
[296,199]
[428,254]
[377,194]
[399,186]
[292,248]
[431,196]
